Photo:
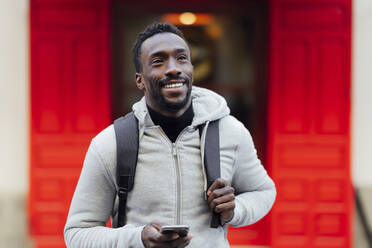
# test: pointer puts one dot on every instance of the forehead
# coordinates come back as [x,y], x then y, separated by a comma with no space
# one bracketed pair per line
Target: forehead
[163,42]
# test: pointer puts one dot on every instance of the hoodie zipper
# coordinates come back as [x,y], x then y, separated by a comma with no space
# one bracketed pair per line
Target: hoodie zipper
[178,179]
[178,173]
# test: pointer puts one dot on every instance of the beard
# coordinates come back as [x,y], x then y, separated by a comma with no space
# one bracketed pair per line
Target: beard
[159,98]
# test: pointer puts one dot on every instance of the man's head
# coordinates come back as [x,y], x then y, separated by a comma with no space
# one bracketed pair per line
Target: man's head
[163,68]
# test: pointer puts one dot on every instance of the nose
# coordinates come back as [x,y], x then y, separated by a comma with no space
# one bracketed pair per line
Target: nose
[172,68]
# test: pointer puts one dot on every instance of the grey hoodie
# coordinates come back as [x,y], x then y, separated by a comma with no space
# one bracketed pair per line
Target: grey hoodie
[170,181]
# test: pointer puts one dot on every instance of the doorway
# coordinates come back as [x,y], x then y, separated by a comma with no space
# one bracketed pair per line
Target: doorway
[228,43]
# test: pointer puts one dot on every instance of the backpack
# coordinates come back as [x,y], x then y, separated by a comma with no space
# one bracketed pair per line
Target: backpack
[127,143]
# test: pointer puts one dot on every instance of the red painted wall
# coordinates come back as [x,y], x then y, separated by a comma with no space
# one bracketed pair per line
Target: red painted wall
[309,122]
[70,103]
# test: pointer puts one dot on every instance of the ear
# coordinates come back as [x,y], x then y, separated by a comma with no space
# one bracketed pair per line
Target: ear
[139,81]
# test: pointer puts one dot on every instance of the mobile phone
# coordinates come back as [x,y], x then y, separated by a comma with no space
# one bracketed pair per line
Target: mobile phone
[182,230]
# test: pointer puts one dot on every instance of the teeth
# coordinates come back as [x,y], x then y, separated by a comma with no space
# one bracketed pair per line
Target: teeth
[175,85]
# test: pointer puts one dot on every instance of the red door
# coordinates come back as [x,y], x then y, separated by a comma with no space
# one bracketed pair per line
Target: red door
[309,130]
[70,103]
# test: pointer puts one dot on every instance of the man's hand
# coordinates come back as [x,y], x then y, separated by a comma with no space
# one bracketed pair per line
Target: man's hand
[221,199]
[152,238]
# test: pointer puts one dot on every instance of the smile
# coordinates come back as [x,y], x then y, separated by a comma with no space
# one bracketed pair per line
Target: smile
[173,85]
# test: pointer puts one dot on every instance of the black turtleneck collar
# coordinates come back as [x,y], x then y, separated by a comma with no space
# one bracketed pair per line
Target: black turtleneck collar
[170,125]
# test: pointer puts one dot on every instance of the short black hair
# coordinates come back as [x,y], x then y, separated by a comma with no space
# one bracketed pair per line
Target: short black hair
[155,28]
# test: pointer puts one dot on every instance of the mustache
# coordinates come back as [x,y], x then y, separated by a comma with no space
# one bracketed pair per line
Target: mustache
[167,79]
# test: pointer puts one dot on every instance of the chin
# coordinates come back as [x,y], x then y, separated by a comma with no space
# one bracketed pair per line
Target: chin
[174,106]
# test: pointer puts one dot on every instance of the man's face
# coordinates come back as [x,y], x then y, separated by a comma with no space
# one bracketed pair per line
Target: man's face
[166,76]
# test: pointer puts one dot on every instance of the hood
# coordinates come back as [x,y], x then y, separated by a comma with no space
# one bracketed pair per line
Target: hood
[207,106]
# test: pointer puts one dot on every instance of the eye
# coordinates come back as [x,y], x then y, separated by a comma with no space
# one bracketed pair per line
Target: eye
[182,57]
[156,61]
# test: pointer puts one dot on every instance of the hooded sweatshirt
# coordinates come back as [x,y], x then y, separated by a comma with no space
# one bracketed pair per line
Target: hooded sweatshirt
[170,181]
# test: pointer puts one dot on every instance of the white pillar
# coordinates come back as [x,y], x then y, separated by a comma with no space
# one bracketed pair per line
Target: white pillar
[14,121]
[362,94]
[361,139]
[14,87]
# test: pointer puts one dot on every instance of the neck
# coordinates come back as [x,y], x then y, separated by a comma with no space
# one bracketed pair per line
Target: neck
[172,126]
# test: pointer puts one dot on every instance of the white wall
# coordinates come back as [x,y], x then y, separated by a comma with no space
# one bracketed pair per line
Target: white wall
[362,94]
[14,83]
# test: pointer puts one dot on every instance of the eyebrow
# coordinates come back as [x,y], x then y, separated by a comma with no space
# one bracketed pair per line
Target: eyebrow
[164,54]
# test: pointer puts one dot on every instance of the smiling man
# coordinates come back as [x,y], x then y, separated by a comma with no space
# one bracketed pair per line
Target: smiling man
[170,186]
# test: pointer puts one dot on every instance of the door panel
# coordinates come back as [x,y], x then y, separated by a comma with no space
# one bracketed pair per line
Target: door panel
[70,103]
[309,114]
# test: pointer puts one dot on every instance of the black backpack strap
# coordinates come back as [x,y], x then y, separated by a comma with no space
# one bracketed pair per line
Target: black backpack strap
[126,131]
[212,160]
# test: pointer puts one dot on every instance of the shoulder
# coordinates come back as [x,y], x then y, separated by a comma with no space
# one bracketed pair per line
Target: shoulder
[230,121]
[105,146]
[232,128]
[105,138]
[231,134]
[234,135]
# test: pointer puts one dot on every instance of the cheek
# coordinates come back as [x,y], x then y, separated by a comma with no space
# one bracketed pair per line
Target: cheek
[186,68]
[190,71]
[154,76]
[151,82]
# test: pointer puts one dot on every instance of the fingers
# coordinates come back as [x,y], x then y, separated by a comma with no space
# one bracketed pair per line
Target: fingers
[156,225]
[218,183]
[220,192]
[221,199]
[152,237]
[172,241]
[215,202]
[224,207]
[162,238]
[180,242]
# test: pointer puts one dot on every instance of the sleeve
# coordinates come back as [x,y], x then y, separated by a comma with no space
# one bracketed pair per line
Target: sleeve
[91,208]
[254,189]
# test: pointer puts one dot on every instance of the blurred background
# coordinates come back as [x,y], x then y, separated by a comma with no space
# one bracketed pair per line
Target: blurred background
[295,72]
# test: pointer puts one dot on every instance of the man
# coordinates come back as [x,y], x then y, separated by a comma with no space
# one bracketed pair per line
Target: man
[170,180]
